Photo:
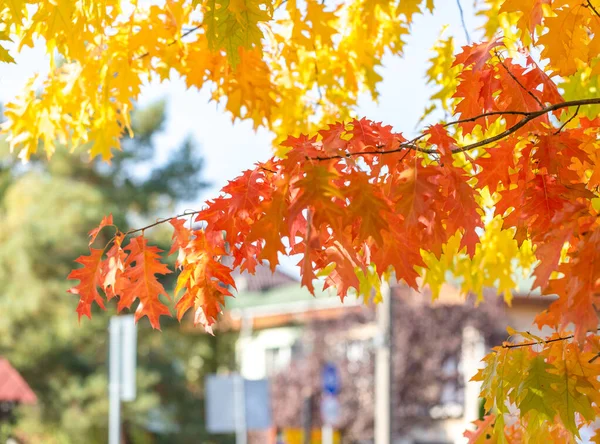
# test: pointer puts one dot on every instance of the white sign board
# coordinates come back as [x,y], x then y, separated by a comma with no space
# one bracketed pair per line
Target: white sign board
[222,410]
[330,409]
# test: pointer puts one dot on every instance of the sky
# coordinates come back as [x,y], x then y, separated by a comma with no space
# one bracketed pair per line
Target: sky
[228,149]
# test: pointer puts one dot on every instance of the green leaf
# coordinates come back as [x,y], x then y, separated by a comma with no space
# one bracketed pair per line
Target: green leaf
[536,390]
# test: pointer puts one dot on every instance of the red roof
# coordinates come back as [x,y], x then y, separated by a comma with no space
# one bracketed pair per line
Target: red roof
[13,387]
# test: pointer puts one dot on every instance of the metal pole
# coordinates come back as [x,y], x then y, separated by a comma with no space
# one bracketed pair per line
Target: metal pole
[383,370]
[241,435]
[114,389]
[327,434]
[307,419]
[241,429]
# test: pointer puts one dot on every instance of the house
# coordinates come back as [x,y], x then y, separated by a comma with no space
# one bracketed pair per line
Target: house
[434,399]
[13,391]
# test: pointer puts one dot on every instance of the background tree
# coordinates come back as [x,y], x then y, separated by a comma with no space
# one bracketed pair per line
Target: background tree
[65,363]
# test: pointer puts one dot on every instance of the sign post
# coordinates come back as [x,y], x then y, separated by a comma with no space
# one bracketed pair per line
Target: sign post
[121,371]
[330,405]
[232,403]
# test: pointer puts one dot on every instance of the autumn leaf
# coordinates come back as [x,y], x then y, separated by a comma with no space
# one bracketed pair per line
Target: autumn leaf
[482,432]
[476,55]
[495,168]
[537,389]
[106,221]
[113,267]
[89,280]
[142,266]
[530,15]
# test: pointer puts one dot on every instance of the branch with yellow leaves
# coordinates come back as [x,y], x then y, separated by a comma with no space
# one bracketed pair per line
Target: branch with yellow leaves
[544,342]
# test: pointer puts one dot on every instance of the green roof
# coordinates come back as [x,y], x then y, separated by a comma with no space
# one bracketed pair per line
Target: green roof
[280,295]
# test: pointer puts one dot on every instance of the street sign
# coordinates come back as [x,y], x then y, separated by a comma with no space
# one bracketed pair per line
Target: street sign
[331,379]
[224,394]
[330,410]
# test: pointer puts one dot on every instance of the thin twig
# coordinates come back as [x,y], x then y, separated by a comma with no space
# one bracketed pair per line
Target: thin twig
[320,102]
[593,8]
[570,118]
[185,34]
[462,20]
[549,341]
[529,344]
[162,221]
[528,117]
[531,94]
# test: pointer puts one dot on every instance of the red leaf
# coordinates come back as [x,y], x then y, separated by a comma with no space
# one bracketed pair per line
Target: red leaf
[181,238]
[445,144]
[476,54]
[472,104]
[106,221]
[495,169]
[113,267]
[89,280]
[142,266]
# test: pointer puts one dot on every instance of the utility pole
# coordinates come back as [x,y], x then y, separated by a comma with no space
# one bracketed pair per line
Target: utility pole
[239,395]
[383,369]
[307,418]
[241,429]
[114,382]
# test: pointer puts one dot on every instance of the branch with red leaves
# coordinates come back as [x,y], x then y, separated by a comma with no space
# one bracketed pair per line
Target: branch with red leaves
[353,220]
[527,117]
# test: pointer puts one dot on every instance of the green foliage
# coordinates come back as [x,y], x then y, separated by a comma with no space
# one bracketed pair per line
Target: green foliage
[46,208]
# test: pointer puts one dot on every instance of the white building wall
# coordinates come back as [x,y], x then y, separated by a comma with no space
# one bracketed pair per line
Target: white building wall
[253,349]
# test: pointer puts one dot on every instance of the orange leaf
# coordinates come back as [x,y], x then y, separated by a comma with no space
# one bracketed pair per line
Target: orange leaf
[106,221]
[483,429]
[113,268]
[141,268]
[89,280]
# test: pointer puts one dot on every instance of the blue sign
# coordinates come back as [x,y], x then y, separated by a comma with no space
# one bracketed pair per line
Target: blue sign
[331,379]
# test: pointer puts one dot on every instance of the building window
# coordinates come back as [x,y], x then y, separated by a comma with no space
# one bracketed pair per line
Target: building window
[277,359]
[357,351]
[451,391]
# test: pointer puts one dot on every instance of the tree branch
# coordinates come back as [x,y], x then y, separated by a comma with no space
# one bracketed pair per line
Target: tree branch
[162,221]
[538,101]
[589,3]
[568,120]
[410,145]
[462,20]
[185,34]
[549,341]
[528,117]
